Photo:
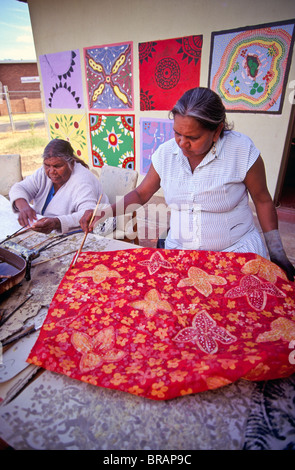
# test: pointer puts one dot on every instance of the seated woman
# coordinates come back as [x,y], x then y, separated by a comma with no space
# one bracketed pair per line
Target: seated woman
[61,190]
[207,173]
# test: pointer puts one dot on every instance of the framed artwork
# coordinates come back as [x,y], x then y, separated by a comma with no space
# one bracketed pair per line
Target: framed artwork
[61,78]
[109,76]
[153,133]
[249,66]
[112,140]
[168,68]
[71,127]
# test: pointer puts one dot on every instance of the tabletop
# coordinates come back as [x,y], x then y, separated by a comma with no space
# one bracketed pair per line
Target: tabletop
[42,410]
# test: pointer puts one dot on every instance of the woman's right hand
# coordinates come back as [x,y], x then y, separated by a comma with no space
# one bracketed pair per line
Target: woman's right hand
[27,215]
[85,221]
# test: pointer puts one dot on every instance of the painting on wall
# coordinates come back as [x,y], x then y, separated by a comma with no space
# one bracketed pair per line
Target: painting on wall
[153,133]
[112,140]
[168,68]
[73,128]
[109,76]
[249,66]
[61,78]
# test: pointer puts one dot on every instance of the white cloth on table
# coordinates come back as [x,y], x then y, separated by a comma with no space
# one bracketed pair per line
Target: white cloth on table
[9,223]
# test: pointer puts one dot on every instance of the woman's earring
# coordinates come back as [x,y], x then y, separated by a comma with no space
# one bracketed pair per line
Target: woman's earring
[213,149]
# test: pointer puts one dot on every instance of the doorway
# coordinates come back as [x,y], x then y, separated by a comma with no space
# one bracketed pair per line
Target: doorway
[285,191]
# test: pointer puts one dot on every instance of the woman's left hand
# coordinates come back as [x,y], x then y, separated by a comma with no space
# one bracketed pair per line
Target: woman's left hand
[47,225]
[283,262]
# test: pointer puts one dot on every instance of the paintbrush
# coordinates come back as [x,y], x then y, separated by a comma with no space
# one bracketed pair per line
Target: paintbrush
[20,231]
[24,332]
[86,233]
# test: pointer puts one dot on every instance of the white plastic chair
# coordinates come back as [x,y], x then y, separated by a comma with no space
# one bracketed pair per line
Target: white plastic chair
[11,172]
[117,182]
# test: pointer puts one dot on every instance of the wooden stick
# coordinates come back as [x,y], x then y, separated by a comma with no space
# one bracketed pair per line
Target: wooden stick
[25,238]
[53,258]
[40,243]
[86,233]
[25,230]
[16,234]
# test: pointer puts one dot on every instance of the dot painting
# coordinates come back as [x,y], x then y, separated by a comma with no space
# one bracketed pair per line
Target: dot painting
[109,76]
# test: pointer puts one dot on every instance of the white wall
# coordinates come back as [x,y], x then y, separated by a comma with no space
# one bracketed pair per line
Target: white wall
[60,25]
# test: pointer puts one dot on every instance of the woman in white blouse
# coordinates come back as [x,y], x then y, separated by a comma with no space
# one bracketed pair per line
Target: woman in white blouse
[60,191]
[206,173]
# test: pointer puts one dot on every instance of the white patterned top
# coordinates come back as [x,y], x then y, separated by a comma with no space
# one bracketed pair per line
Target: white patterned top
[209,207]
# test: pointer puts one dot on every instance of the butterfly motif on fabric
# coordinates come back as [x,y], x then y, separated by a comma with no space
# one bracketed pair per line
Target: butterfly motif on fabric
[264,268]
[201,281]
[70,320]
[205,332]
[255,291]
[156,262]
[151,303]
[281,329]
[97,350]
[99,273]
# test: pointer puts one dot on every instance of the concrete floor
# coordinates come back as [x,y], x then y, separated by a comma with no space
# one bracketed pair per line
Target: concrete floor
[150,226]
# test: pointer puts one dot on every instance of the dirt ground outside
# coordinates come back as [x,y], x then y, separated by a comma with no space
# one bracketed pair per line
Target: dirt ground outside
[29,143]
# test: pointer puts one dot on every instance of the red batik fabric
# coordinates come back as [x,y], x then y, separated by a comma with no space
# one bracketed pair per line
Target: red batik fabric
[165,323]
[167,69]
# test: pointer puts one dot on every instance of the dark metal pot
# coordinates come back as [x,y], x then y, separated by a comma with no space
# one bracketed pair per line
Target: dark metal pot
[12,270]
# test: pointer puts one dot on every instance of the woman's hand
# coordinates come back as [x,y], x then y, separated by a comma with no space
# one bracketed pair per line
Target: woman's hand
[283,262]
[85,220]
[27,215]
[47,225]
[277,253]
[136,198]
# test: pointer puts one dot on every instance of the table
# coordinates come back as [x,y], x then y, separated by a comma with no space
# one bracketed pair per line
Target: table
[43,410]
